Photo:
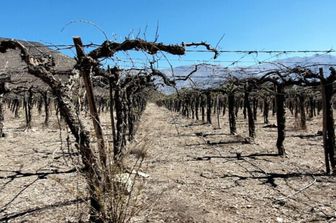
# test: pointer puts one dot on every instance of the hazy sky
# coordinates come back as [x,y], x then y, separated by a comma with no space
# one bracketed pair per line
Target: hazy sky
[247,24]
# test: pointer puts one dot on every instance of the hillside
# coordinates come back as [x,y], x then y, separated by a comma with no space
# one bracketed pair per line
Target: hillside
[11,63]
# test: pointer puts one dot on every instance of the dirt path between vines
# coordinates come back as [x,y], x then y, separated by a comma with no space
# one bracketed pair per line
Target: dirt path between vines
[193,181]
[192,178]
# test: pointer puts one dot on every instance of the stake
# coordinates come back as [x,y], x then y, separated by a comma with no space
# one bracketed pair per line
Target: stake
[85,72]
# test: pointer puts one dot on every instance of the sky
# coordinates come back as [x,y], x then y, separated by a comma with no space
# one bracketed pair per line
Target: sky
[245,24]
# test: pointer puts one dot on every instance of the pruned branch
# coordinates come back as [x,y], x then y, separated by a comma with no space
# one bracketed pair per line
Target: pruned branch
[108,48]
[188,76]
[206,45]
[164,77]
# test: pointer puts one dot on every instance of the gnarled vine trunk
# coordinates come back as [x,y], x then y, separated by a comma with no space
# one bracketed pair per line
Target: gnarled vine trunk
[328,125]
[250,115]
[280,117]
[232,115]
[208,99]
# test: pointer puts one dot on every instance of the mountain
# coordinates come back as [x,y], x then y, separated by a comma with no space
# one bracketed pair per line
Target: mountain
[209,76]
[206,76]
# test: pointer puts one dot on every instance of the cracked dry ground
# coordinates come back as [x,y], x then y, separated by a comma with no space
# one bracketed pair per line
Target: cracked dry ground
[192,179]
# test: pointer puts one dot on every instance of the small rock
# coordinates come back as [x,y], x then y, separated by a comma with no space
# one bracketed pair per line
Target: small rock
[141,174]
[125,181]
[279,220]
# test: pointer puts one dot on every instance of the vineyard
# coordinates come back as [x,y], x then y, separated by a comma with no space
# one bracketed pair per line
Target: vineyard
[85,140]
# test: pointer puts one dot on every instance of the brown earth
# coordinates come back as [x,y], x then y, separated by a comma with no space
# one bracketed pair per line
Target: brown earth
[192,179]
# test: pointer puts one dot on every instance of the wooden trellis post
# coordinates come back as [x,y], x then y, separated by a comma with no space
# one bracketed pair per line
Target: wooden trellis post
[85,72]
[328,124]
